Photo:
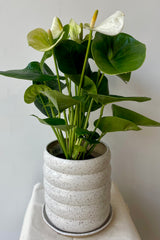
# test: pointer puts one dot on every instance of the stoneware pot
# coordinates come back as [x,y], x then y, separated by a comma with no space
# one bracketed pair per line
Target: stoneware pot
[77,192]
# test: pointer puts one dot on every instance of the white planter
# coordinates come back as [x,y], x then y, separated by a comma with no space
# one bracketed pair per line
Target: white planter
[77,192]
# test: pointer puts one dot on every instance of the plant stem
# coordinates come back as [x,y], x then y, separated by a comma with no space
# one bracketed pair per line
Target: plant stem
[54,130]
[85,62]
[100,80]
[88,113]
[57,72]
[100,116]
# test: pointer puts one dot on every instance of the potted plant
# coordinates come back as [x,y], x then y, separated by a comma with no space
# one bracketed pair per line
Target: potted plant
[77,165]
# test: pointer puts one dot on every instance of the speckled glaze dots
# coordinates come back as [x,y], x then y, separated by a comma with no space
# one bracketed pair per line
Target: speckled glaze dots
[77,192]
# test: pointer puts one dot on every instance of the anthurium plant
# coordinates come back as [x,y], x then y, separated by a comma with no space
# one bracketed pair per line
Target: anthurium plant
[68,95]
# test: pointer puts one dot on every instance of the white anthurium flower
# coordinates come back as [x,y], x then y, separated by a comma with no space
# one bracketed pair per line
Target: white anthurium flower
[74,30]
[110,26]
[56,28]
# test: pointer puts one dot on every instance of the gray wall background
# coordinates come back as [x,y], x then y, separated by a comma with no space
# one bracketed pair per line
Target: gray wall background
[135,155]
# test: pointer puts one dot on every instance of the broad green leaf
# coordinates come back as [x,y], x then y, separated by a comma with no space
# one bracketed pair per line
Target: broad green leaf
[31,72]
[59,100]
[38,39]
[74,30]
[114,124]
[70,56]
[55,122]
[87,85]
[118,54]
[133,116]
[113,98]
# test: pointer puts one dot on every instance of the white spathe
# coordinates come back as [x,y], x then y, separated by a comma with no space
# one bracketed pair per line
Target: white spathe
[110,26]
[56,27]
[77,192]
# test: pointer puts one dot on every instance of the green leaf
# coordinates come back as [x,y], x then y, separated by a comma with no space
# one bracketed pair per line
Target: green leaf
[125,76]
[133,116]
[114,124]
[38,39]
[87,85]
[42,102]
[77,149]
[59,100]
[103,89]
[66,32]
[44,106]
[70,56]
[46,55]
[55,122]
[89,136]
[81,131]
[117,54]
[31,72]
[113,98]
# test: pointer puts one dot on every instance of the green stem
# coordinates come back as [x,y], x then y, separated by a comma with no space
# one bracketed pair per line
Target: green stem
[100,80]
[57,72]
[88,113]
[54,130]
[100,116]
[98,74]
[85,62]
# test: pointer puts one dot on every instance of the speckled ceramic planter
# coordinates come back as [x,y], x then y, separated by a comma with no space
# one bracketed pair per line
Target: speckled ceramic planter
[77,192]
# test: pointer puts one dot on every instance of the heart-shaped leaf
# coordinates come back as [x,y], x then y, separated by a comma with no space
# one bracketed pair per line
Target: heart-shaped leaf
[114,124]
[133,116]
[70,56]
[59,100]
[55,122]
[117,54]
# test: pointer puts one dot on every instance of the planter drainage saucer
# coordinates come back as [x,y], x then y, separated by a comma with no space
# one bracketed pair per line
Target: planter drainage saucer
[72,234]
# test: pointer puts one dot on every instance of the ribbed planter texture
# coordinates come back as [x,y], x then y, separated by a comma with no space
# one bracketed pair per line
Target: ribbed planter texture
[77,192]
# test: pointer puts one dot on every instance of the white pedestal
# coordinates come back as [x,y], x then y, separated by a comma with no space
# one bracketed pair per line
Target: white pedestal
[120,228]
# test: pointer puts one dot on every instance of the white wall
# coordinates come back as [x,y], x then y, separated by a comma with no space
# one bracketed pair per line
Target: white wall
[135,155]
